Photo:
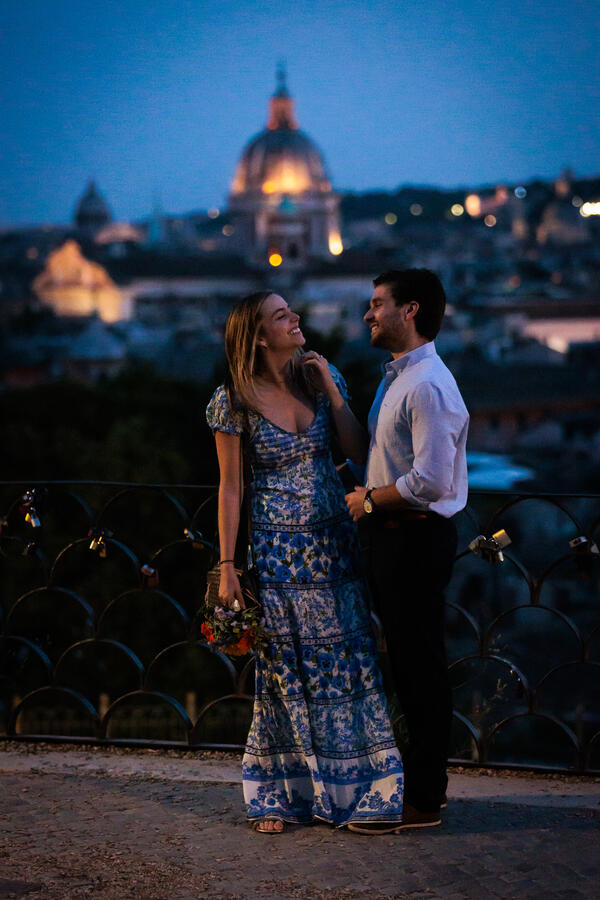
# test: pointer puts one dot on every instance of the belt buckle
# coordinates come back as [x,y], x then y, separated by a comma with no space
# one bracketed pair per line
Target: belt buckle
[391,523]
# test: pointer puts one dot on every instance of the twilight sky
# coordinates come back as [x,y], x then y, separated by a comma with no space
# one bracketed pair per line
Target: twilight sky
[156,98]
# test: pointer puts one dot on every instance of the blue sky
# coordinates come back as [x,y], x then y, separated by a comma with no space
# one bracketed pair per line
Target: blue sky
[156,99]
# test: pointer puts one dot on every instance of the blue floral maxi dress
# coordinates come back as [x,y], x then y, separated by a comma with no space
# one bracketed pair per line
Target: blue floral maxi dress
[321,744]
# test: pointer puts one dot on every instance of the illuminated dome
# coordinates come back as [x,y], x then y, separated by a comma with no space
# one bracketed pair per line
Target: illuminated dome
[281,199]
[281,159]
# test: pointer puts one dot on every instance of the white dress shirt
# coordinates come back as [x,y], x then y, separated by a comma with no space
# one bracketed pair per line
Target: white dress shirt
[418,425]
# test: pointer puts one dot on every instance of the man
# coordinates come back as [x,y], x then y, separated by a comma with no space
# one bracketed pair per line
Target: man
[416,480]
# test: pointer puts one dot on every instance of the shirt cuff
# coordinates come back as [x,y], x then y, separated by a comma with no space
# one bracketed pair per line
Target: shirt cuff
[406,493]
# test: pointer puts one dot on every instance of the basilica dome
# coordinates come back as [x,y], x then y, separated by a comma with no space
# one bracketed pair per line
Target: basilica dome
[92,212]
[282,208]
[281,159]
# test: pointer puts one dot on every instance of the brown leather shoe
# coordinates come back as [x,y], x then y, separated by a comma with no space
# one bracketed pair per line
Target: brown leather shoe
[374,827]
[414,818]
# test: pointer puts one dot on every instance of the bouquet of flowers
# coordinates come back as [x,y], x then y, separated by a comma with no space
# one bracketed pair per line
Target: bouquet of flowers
[236,633]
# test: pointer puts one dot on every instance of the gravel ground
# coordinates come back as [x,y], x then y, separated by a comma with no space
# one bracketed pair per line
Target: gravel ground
[113,824]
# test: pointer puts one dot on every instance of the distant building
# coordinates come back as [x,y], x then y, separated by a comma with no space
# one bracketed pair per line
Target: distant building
[92,213]
[96,351]
[74,286]
[82,348]
[118,237]
[283,210]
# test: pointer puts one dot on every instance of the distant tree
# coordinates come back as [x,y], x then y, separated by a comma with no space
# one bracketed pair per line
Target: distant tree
[137,426]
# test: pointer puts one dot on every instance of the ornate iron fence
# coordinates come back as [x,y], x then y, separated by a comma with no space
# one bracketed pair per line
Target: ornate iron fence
[101,588]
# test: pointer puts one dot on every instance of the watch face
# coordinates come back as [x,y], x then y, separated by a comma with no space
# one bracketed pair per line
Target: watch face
[367,506]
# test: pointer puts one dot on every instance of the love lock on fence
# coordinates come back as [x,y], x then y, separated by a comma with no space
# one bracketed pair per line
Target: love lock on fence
[149,577]
[195,537]
[585,551]
[98,541]
[490,549]
[28,508]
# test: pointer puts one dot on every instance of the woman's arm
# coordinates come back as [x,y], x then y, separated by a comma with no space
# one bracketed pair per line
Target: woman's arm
[352,436]
[231,489]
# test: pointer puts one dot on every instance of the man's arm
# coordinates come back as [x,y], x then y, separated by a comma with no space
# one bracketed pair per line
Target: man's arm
[435,430]
[384,498]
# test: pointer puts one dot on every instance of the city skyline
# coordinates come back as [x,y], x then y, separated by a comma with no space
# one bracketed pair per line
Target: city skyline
[156,103]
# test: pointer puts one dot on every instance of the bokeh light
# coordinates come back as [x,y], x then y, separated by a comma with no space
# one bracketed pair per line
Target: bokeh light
[335,243]
[473,205]
[275,259]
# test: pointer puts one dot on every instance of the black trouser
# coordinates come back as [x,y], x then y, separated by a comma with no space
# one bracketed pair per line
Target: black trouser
[410,565]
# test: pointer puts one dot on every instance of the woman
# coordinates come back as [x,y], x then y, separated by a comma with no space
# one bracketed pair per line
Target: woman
[321,744]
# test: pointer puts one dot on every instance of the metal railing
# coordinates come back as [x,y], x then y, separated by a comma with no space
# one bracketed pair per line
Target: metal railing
[102,584]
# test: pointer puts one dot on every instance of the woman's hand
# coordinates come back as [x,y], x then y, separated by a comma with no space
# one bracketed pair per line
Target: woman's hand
[352,437]
[320,372]
[230,591]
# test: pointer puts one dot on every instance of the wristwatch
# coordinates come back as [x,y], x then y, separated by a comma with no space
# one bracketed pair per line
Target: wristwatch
[369,505]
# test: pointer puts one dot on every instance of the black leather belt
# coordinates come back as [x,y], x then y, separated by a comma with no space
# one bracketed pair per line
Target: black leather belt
[398,519]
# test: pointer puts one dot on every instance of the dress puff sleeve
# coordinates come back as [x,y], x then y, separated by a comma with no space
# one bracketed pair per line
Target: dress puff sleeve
[220,416]
[340,381]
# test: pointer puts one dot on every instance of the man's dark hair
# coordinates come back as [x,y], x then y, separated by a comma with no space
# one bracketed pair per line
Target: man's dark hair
[425,288]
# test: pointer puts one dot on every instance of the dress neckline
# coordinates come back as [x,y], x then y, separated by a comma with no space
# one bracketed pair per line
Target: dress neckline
[293,433]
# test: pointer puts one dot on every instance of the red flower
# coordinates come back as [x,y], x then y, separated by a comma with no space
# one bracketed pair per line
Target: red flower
[243,646]
[207,632]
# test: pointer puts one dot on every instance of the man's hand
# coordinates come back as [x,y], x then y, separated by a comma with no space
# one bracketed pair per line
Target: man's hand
[354,502]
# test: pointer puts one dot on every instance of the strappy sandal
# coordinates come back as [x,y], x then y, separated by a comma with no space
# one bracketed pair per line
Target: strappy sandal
[256,826]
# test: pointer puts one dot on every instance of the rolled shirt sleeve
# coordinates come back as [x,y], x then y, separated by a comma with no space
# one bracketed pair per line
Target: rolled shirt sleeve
[437,431]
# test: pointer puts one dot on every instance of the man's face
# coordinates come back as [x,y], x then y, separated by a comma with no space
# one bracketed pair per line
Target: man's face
[390,329]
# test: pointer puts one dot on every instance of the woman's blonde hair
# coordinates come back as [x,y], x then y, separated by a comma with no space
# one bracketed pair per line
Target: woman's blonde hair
[241,334]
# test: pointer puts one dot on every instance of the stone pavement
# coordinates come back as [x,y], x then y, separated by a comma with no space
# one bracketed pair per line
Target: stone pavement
[157,825]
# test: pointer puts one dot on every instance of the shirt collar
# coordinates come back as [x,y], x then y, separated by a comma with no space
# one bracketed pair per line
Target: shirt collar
[395,366]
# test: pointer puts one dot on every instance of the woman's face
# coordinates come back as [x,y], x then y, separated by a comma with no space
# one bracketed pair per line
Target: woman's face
[279,327]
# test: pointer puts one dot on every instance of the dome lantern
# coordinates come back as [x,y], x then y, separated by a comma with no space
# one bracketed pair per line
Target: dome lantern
[281,106]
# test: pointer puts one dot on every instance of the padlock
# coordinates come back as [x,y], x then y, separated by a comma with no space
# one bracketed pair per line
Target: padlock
[584,551]
[490,549]
[149,576]
[501,538]
[98,542]
[27,508]
[583,544]
[194,536]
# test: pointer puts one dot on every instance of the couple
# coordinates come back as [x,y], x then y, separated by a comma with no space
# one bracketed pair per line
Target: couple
[321,745]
